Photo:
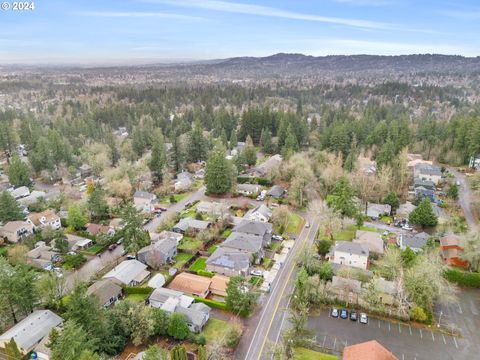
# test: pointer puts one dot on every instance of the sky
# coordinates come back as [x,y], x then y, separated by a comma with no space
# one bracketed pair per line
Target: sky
[146,31]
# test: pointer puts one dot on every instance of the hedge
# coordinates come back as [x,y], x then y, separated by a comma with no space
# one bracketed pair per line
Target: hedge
[212,303]
[129,290]
[205,273]
[253,180]
[463,278]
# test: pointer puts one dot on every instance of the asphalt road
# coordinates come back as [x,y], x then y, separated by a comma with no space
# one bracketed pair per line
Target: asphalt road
[465,198]
[406,342]
[265,327]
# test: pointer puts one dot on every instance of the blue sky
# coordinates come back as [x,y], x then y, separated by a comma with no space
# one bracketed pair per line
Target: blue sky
[142,31]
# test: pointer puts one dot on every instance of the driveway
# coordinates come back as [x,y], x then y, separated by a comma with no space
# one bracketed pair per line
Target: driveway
[465,198]
[406,342]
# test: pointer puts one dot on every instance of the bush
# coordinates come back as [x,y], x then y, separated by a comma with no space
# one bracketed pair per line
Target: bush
[212,303]
[197,339]
[463,278]
[73,261]
[130,290]
[205,273]
[418,314]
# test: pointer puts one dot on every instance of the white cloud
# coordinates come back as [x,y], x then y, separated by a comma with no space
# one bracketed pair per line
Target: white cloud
[462,14]
[250,9]
[134,14]
[366,2]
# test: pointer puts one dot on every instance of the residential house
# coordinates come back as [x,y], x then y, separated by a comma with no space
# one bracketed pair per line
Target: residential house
[213,208]
[260,213]
[404,210]
[415,162]
[84,171]
[34,196]
[14,231]
[229,262]
[371,239]
[422,192]
[376,211]
[129,272]
[346,289]
[428,172]
[349,253]
[248,243]
[196,316]
[184,181]
[43,219]
[415,242]
[427,184]
[219,284]
[256,228]
[157,281]
[265,168]
[158,253]
[451,251]
[29,332]
[82,244]
[144,201]
[20,192]
[168,299]
[276,191]
[199,174]
[387,290]
[40,256]
[116,224]
[168,234]
[95,229]
[191,284]
[106,291]
[248,189]
[189,224]
[370,350]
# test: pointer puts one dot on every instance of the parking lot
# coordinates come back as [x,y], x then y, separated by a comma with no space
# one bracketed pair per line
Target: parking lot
[406,342]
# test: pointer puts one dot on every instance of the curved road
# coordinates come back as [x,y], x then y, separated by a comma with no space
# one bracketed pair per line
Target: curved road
[465,198]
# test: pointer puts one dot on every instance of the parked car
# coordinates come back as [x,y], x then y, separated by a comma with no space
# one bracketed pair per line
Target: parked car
[277,237]
[112,247]
[187,205]
[119,241]
[334,312]
[344,314]
[363,318]
[131,257]
[162,208]
[256,272]
[307,224]
[407,227]
[353,315]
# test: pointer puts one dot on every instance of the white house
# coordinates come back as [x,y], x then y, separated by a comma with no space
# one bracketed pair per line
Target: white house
[260,213]
[144,201]
[43,219]
[349,253]
[129,272]
[184,181]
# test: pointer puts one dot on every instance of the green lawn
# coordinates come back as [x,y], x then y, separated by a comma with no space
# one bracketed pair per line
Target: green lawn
[348,233]
[178,197]
[3,251]
[256,280]
[137,297]
[275,246]
[181,259]
[199,264]
[267,263]
[307,354]
[215,329]
[191,212]
[212,249]
[226,233]
[295,223]
[189,243]
[94,250]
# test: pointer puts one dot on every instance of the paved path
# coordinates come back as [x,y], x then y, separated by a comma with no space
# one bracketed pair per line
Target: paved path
[264,328]
[465,198]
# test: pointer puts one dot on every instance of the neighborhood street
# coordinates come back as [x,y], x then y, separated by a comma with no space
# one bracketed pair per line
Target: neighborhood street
[265,327]
[465,199]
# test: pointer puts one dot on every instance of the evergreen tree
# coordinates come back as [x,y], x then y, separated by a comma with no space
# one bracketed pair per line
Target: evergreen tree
[351,160]
[179,353]
[71,342]
[240,298]
[202,353]
[41,157]
[392,200]
[114,153]
[139,142]
[342,198]
[158,161]
[18,172]
[223,138]
[61,242]
[423,215]
[134,235]
[249,153]
[266,141]
[386,154]
[233,139]
[197,146]
[177,154]
[218,173]
[160,319]
[76,219]
[12,351]
[97,205]
[154,352]
[9,209]
[178,328]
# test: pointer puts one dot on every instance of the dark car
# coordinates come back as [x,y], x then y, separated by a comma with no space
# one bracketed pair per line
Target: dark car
[112,247]
[334,312]
[353,315]
[162,208]
[344,314]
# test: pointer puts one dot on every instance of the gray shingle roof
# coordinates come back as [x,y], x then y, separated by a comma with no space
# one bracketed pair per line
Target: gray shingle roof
[253,227]
[245,242]
[186,223]
[104,290]
[351,247]
[163,246]
[126,271]
[229,258]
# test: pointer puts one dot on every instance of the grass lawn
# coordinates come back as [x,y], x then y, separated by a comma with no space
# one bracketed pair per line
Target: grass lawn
[215,329]
[199,264]
[137,297]
[3,251]
[94,250]
[386,219]
[295,223]
[189,243]
[212,249]
[256,280]
[267,263]
[191,212]
[307,354]
[275,246]
[181,259]
[226,233]
[178,197]
[348,233]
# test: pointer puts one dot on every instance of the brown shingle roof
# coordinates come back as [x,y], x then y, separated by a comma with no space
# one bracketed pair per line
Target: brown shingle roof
[219,285]
[370,350]
[190,284]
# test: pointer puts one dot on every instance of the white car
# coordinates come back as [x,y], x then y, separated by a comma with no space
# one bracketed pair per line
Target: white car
[407,227]
[277,237]
[363,318]
[256,272]
[307,224]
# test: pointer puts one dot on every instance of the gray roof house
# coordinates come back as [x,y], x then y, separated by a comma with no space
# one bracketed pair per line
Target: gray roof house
[260,213]
[196,316]
[30,331]
[184,181]
[128,272]
[349,253]
[229,262]
[376,211]
[168,299]
[427,184]
[106,291]
[248,189]
[158,253]
[144,201]
[415,242]
[213,208]
[256,228]
[191,224]
[248,243]
[276,191]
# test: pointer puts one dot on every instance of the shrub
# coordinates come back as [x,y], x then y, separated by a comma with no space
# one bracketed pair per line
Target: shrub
[73,261]
[212,303]
[463,278]
[205,273]
[418,314]
[129,290]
